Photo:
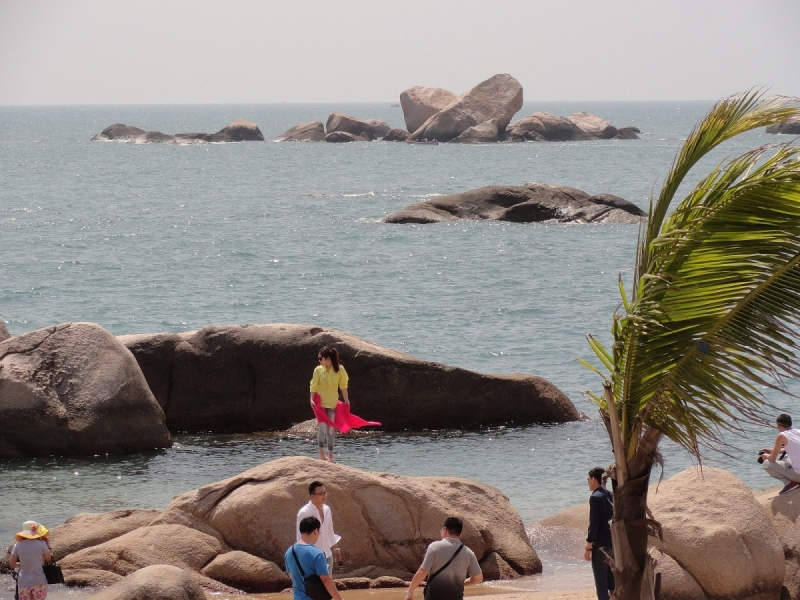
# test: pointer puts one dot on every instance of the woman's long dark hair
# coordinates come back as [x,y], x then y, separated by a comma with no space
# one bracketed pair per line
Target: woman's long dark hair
[333,354]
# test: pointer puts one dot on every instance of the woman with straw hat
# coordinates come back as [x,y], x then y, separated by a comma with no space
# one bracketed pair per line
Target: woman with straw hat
[30,552]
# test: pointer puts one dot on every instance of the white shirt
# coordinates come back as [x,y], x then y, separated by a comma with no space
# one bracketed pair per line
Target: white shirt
[792,447]
[327,537]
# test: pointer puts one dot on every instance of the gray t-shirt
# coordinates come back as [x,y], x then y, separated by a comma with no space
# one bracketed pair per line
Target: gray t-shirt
[449,584]
[30,554]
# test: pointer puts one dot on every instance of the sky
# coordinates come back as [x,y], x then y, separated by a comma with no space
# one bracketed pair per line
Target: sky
[242,51]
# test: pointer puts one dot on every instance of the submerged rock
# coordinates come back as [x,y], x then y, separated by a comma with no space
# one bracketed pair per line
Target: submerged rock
[242,378]
[311,131]
[420,103]
[83,390]
[532,202]
[496,99]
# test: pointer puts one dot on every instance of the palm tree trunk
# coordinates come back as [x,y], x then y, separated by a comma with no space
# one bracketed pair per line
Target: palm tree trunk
[633,567]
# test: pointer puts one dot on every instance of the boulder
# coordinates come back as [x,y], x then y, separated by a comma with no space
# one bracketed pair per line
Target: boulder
[395,135]
[347,124]
[254,378]
[247,572]
[790,126]
[96,578]
[91,529]
[381,127]
[4,334]
[157,582]
[84,391]
[593,125]
[385,520]
[532,202]
[496,99]
[785,514]
[479,134]
[121,133]
[156,137]
[420,103]
[544,127]
[196,136]
[340,137]
[627,133]
[239,130]
[311,131]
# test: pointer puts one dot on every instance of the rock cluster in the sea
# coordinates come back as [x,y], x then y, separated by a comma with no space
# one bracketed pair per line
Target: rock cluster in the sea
[715,545]
[480,115]
[531,202]
[790,126]
[243,378]
[232,535]
[74,389]
[236,131]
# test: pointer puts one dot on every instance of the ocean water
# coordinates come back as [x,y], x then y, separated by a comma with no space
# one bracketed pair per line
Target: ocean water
[146,238]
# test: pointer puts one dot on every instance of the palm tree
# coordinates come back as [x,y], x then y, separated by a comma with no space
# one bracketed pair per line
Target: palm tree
[710,320]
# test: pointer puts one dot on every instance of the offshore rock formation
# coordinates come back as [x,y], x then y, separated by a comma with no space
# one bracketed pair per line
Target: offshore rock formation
[532,202]
[395,135]
[236,131]
[339,122]
[83,391]
[545,127]
[242,378]
[311,131]
[233,533]
[791,126]
[420,103]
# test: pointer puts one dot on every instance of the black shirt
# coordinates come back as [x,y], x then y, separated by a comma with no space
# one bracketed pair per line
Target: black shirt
[601,509]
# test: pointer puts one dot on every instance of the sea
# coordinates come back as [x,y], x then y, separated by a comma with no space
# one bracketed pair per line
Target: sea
[168,238]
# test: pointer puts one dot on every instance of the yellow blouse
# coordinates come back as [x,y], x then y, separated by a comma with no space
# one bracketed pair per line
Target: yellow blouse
[327,384]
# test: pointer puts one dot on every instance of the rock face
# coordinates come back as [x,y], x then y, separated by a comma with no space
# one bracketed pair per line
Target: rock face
[785,514]
[340,137]
[420,103]
[255,377]
[480,134]
[792,126]
[395,135]
[312,131]
[544,127]
[347,124]
[84,391]
[246,572]
[496,99]
[236,131]
[255,512]
[716,545]
[381,127]
[157,582]
[532,202]
[593,125]
[4,334]
[91,529]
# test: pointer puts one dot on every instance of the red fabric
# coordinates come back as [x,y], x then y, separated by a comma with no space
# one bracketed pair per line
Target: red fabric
[344,420]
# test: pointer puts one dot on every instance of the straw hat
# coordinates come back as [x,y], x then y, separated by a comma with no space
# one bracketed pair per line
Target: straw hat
[31,530]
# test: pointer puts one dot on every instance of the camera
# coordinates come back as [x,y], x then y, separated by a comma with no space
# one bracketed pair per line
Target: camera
[761,454]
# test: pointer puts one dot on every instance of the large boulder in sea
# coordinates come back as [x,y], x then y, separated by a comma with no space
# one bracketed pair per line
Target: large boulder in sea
[532,202]
[241,378]
[420,103]
[386,521]
[120,132]
[593,125]
[545,127]
[496,99]
[156,582]
[239,130]
[790,126]
[484,133]
[352,125]
[381,127]
[311,131]
[236,131]
[395,135]
[718,541]
[342,137]
[74,389]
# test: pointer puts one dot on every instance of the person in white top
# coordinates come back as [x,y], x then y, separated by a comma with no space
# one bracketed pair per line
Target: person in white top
[328,541]
[783,468]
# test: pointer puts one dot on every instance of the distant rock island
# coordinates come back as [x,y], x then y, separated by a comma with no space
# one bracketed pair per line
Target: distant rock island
[481,115]
[530,203]
[791,126]
[237,131]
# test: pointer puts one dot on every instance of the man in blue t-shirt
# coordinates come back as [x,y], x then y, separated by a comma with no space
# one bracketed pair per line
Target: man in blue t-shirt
[312,561]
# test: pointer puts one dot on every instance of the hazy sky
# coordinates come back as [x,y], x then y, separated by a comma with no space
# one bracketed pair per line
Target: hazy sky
[241,51]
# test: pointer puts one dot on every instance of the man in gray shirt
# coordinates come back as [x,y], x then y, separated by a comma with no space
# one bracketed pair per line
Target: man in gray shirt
[447,564]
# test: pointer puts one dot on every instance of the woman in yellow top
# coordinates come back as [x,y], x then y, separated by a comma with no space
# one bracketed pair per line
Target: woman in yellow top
[329,377]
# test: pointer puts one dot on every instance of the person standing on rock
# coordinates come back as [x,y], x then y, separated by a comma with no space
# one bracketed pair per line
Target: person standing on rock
[447,565]
[304,561]
[327,540]
[29,553]
[787,441]
[598,541]
[329,377]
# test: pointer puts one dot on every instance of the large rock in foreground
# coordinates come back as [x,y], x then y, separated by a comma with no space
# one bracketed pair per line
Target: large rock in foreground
[386,521]
[312,131]
[242,378]
[81,388]
[420,103]
[784,510]
[236,131]
[791,126]
[496,99]
[532,202]
[157,582]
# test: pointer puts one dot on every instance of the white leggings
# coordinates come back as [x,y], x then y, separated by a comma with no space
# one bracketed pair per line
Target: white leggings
[327,432]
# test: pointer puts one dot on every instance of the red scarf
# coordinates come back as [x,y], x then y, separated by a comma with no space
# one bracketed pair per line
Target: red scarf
[344,421]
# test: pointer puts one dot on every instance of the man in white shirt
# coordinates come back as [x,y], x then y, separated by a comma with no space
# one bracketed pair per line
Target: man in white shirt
[788,441]
[328,541]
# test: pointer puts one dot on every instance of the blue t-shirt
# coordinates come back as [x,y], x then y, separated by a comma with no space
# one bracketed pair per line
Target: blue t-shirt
[313,562]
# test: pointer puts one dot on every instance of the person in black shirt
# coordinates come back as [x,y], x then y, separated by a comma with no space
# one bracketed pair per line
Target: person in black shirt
[598,540]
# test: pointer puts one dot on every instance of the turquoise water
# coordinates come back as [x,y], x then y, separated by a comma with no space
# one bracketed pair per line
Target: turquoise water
[144,238]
